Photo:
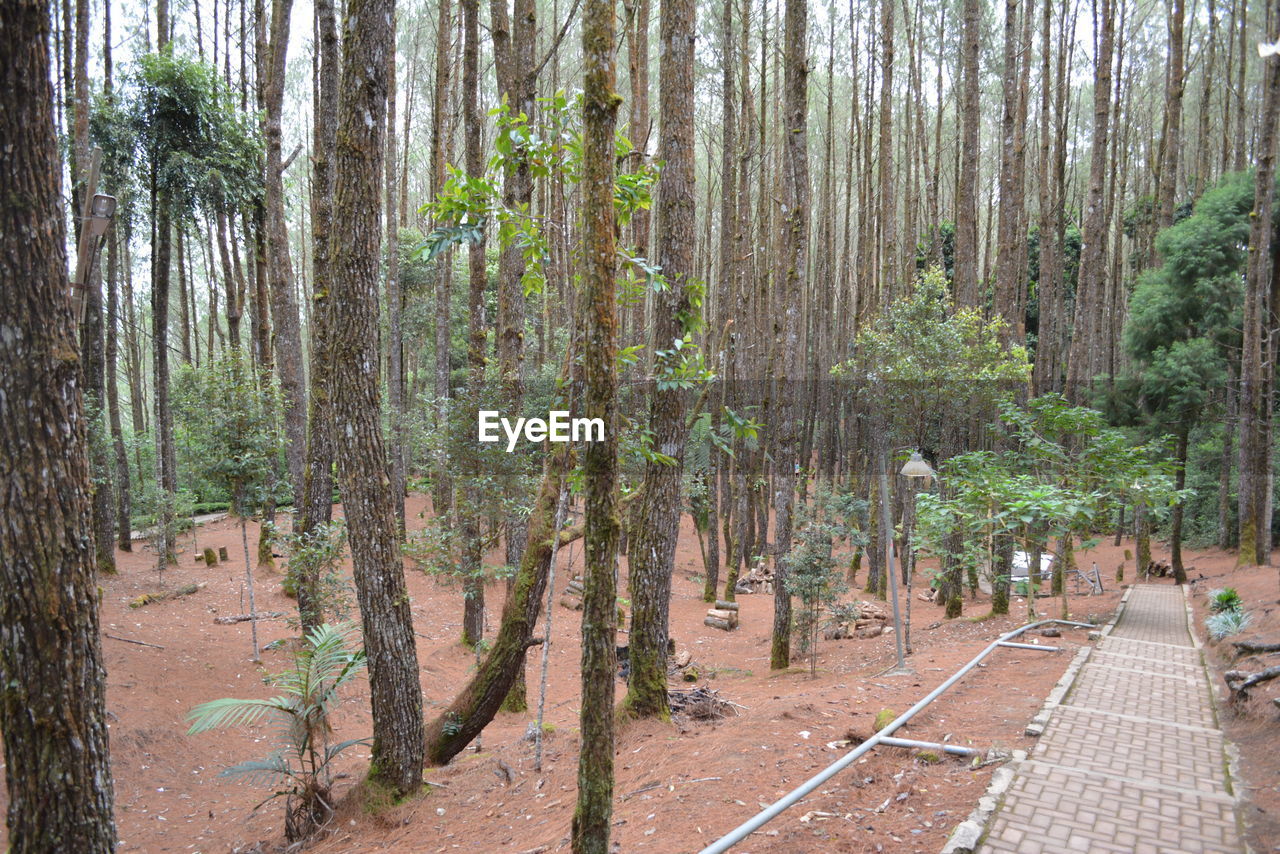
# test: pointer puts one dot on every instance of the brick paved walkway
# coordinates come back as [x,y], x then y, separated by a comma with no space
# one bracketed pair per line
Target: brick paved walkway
[1132,760]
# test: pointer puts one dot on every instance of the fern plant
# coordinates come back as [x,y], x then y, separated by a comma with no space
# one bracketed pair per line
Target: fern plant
[300,764]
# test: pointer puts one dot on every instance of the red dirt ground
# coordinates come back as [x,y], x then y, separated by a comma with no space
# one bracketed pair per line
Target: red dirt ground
[1252,726]
[678,786]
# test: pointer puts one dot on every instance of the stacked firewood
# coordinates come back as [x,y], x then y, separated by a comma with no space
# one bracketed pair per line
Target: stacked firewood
[723,616]
[870,622]
[758,580]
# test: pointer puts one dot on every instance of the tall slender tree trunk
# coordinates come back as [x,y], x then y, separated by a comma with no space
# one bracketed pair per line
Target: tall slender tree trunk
[286,336]
[1012,243]
[1084,356]
[395,305]
[786,325]
[317,488]
[52,710]
[514,42]
[656,524]
[166,456]
[966,251]
[396,696]
[472,545]
[1255,414]
[1175,85]
[592,817]
[442,488]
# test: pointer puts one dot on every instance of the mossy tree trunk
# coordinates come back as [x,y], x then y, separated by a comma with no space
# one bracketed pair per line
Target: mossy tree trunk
[1003,554]
[592,817]
[477,704]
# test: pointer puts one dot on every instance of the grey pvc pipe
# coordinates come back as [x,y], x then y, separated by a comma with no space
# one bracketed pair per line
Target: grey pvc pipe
[770,812]
[953,749]
[1036,646]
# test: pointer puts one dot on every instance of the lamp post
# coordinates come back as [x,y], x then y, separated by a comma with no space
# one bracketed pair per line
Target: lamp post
[915,467]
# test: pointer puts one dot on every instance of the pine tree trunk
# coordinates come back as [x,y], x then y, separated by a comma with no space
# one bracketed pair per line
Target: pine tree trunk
[786,324]
[286,338]
[396,696]
[166,456]
[472,545]
[1175,85]
[514,44]
[1175,521]
[52,711]
[395,307]
[966,251]
[656,523]
[124,495]
[1083,360]
[1255,415]
[592,817]
[317,488]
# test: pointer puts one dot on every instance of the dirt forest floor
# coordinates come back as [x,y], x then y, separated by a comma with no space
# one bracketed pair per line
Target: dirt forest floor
[679,786]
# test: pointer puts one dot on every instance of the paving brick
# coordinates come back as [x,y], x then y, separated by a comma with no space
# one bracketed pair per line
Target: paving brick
[1133,760]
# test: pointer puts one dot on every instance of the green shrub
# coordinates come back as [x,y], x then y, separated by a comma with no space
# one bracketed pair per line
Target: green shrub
[1224,599]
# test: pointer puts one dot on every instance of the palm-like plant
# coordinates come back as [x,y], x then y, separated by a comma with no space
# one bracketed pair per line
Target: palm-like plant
[300,765]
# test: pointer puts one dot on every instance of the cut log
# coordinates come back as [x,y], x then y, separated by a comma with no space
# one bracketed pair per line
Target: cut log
[730,616]
[717,623]
[162,595]
[222,554]
[722,605]
[210,558]
[244,618]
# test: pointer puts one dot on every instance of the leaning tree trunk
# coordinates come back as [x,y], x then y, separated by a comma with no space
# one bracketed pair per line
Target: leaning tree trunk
[652,549]
[592,817]
[396,696]
[478,703]
[52,709]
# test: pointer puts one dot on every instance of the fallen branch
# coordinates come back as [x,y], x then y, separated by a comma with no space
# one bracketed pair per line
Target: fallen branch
[1239,682]
[244,618]
[1251,648]
[129,640]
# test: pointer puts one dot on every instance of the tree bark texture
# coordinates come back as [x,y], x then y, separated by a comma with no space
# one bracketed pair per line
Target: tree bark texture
[1254,412]
[656,524]
[52,708]
[396,697]
[786,324]
[592,817]
[317,482]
